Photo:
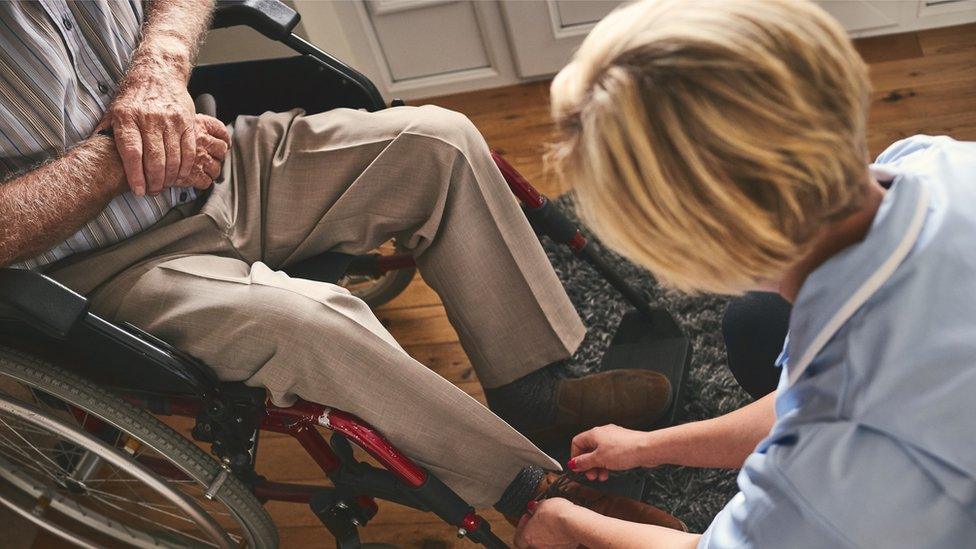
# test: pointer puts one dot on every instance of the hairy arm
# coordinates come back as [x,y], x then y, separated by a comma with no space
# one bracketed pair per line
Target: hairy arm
[44,206]
[171,37]
[152,115]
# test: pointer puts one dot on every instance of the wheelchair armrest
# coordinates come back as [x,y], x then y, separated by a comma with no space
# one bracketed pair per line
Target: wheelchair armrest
[40,301]
[271,18]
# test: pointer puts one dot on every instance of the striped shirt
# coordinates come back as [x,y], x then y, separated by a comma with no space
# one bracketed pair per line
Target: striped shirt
[61,62]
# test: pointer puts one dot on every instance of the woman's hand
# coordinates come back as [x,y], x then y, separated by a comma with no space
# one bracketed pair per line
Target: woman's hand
[212,142]
[546,525]
[609,448]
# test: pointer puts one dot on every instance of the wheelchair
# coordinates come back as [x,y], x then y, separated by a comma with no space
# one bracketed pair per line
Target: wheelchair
[84,454]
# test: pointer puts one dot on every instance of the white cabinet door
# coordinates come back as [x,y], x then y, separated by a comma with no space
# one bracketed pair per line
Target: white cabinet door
[861,16]
[422,48]
[544,33]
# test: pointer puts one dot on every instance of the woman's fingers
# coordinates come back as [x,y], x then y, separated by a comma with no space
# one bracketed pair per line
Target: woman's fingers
[582,443]
[585,462]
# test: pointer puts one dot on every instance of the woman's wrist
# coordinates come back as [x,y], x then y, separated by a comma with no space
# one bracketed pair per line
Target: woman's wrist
[572,520]
[654,448]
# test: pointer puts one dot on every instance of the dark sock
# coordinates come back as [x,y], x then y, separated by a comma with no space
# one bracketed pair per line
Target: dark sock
[520,491]
[529,402]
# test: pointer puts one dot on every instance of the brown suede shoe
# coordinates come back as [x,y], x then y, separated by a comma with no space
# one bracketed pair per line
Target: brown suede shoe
[634,399]
[555,485]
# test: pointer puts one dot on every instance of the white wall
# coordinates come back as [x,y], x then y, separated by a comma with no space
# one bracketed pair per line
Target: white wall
[320,25]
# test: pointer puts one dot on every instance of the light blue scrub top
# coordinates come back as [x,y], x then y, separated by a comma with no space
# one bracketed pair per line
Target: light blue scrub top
[874,445]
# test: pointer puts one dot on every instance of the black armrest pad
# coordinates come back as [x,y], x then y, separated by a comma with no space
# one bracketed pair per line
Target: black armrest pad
[269,17]
[40,301]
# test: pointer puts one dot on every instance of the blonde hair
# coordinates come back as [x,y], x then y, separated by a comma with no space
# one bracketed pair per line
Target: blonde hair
[709,140]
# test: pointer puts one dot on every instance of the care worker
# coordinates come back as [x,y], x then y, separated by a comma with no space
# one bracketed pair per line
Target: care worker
[721,144]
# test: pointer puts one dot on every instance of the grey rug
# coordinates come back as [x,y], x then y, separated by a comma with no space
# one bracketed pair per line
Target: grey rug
[694,495]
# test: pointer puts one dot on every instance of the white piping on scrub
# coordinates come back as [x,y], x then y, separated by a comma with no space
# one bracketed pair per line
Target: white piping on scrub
[866,290]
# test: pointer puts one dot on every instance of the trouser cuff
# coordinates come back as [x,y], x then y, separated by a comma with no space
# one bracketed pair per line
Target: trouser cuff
[522,489]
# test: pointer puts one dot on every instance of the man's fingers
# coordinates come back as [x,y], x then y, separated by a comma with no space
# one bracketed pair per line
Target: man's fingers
[153,158]
[215,128]
[211,167]
[171,150]
[215,147]
[198,179]
[128,141]
[188,152]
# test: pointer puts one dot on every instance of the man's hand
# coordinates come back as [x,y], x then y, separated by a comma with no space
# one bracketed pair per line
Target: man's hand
[152,116]
[212,142]
[544,526]
[153,121]
[609,448]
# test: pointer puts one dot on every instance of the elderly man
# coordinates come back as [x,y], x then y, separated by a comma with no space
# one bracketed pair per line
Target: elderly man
[108,189]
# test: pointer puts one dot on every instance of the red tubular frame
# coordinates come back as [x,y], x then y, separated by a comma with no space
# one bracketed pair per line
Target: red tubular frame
[299,421]
[528,195]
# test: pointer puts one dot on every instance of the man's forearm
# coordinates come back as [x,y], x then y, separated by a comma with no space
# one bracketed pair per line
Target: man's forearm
[724,442]
[596,531]
[44,206]
[171,37]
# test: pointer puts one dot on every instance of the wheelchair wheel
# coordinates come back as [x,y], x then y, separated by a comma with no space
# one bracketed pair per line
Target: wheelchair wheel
[377,290]
[85,465]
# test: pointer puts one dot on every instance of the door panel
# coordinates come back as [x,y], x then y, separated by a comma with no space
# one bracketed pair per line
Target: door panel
[544,34]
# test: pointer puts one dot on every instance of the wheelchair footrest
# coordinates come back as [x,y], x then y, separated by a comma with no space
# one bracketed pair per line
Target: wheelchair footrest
[655,344]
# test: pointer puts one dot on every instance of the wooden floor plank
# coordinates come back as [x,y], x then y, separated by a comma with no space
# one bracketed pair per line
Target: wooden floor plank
[948,39]
[889,48]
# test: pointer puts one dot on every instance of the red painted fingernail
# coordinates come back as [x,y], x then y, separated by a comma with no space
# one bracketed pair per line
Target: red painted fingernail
[531,505]
[571,464]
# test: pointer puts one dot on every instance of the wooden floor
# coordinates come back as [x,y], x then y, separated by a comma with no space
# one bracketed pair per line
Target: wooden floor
[924,82]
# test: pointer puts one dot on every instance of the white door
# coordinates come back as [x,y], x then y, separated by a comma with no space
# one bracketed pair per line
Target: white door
[544,33]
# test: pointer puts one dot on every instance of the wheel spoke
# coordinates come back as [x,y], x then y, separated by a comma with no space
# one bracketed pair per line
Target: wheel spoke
[34,464]
[144,519]
[29,443]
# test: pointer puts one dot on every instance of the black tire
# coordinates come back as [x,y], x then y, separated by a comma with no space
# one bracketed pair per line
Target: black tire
[385,288]
[139,424]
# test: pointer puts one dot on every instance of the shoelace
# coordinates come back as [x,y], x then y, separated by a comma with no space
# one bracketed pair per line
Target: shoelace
[561,486]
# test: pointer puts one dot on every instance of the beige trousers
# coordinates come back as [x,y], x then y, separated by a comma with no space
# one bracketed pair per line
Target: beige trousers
[294,186]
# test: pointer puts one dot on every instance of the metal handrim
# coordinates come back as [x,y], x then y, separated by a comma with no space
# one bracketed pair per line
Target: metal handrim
[79,438]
